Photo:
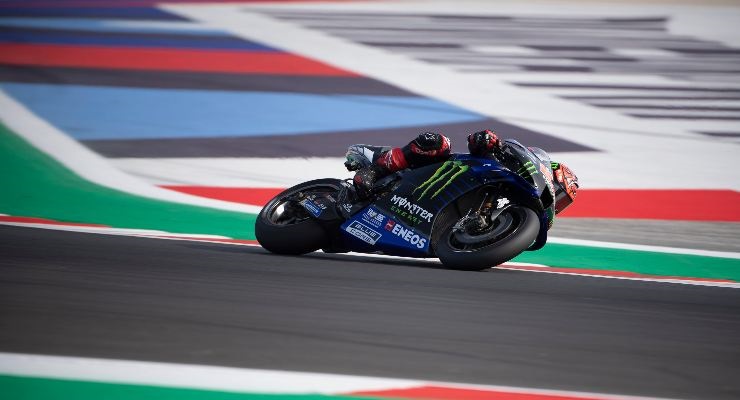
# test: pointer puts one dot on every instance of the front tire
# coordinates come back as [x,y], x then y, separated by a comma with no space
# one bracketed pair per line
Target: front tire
[512,232]
[285,227]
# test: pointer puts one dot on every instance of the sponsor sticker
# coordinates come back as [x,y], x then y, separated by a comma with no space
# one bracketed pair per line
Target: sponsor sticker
[373,217]
[313,208]
[441,179]
[406,234]
[363,232]
[409,210]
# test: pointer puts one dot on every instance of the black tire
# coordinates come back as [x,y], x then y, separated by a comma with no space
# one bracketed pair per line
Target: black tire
[520,230]
[296,233]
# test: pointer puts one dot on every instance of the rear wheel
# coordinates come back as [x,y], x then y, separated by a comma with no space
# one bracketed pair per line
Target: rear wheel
[285,227]
[511,233]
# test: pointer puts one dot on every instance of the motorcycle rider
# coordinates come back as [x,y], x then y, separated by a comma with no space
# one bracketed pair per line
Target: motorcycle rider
[431,147]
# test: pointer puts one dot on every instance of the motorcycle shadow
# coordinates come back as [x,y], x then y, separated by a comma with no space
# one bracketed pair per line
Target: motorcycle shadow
[320,257]
[429,263]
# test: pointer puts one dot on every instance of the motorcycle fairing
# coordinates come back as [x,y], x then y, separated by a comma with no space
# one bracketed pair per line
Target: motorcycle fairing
[373,230]
[402,220]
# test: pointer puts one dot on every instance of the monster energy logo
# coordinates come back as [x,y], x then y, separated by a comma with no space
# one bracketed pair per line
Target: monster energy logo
[528,169]
[447,173]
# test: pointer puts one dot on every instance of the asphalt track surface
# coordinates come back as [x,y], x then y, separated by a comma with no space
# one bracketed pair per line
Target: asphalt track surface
[65,293]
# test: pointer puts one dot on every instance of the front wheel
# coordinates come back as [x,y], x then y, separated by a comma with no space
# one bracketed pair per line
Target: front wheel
[511,233]
[285,227]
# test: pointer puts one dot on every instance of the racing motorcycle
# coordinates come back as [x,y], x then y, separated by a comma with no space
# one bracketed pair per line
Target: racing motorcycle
[472,213]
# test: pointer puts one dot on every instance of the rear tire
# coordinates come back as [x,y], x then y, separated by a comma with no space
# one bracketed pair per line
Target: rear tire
[285,227]
[520,230]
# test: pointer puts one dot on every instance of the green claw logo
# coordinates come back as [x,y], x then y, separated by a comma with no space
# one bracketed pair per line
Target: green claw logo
[447,173]
[528,169]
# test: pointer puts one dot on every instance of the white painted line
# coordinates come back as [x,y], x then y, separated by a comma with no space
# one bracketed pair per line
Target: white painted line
[639,247]
[50,140]
[252,172]
[235,379]
[687,281]
[189,376]
[110,231]
[259,172]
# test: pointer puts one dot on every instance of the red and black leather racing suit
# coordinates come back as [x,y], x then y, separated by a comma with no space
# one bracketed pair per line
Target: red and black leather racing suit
[427,148]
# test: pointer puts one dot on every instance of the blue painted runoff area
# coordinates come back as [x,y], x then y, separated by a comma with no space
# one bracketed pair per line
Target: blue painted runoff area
[129,40]
[151,13]
[108,113]
[110,25]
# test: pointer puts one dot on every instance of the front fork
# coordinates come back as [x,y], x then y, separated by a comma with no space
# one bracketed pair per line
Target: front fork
[480,218]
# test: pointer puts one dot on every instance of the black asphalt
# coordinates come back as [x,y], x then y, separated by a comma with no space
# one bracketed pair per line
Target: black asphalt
[92,295]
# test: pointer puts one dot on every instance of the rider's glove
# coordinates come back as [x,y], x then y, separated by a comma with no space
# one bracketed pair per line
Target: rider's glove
[357,157]
[352,164]
[484,143]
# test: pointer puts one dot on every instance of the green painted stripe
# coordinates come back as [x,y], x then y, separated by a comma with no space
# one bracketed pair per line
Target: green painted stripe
[25,388]
[643,262]
[35,185]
